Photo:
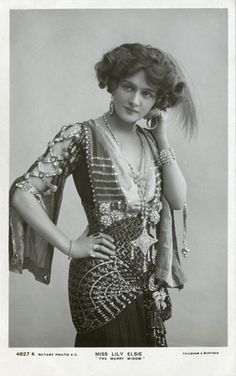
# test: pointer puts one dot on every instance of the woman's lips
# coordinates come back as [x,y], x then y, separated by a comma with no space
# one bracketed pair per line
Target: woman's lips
[131,110]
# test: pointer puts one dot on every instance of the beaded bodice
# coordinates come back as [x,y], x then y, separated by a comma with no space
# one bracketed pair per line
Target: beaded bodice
[105,179]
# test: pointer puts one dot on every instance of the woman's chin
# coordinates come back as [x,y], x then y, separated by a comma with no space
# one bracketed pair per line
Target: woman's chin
[129,117]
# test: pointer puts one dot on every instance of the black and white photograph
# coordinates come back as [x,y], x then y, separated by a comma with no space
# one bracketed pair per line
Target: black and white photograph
[121,168]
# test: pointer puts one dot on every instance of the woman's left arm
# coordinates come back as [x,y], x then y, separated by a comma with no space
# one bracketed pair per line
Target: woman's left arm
[174,184]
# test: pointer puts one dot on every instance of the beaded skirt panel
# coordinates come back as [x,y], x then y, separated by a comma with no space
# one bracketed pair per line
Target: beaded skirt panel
[99,290]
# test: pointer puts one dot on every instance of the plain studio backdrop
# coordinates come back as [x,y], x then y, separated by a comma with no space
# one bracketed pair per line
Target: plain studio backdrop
[53,83]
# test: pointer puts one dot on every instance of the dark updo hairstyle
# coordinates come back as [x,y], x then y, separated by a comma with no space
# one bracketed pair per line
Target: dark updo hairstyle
[162,72]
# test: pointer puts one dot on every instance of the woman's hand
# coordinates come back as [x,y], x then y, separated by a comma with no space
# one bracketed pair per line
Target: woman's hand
[160,132]
[98,245]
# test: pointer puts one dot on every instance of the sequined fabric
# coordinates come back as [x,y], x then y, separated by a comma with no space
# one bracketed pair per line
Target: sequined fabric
[100,290]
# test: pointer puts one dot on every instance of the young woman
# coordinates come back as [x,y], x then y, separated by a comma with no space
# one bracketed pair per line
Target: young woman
[129,183]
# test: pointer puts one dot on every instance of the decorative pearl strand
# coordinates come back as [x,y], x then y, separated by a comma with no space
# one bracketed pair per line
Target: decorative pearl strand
[134,175]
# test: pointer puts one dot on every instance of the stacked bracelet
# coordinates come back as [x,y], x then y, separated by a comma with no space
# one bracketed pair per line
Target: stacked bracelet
[166,156]
[70,250]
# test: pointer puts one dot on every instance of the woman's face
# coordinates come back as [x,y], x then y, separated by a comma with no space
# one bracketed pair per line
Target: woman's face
[134,97]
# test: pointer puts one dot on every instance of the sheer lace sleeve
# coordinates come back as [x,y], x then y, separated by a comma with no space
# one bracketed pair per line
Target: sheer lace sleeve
[45,180]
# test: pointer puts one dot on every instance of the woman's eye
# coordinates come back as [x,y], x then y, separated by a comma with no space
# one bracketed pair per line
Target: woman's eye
[148,94]
[127,87]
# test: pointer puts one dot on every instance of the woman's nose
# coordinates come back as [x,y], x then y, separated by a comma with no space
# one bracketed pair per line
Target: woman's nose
[135,99]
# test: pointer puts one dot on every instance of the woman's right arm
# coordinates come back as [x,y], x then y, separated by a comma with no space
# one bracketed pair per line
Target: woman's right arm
[33,213]
[40,180]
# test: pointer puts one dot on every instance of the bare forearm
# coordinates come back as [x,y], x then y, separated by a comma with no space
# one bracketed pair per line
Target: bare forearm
[174,185]
[29,208]
[33,213]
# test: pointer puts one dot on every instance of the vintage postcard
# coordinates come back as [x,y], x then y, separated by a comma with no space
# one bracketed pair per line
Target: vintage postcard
[121,204]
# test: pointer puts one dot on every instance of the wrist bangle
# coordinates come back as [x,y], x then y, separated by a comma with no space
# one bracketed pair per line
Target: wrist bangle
[166,156]
[70,250]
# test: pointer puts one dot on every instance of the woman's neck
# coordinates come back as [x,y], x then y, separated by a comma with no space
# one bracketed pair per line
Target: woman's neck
[120,126]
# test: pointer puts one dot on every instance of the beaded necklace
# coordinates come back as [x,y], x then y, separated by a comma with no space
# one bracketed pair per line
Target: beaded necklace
[139,180]
[144,241]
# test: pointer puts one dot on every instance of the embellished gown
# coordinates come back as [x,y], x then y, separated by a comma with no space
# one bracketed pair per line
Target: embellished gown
[123,301]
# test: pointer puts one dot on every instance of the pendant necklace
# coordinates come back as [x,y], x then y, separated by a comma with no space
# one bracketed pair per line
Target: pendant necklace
[144,241]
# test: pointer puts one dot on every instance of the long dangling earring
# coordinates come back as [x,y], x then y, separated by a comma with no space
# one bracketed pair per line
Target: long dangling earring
[111,107]
[153,118]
